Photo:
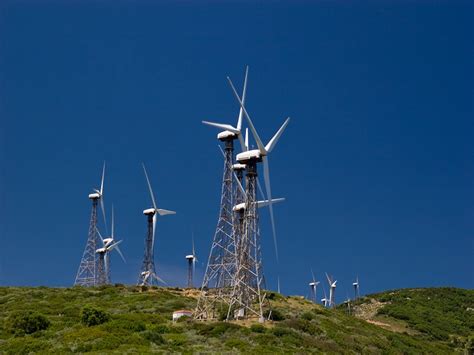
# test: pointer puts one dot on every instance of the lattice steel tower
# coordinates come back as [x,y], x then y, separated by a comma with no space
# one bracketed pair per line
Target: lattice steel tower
[247,299]
[87,272]
[221,267]
[148,276]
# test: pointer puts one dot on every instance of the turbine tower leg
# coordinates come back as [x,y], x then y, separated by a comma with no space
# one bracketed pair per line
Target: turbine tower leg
[190,273]
[247,300]
[147,272]
[221,266]
[86,274]
[101,270]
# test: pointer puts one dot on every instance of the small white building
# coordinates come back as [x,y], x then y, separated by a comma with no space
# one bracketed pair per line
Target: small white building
[181,313]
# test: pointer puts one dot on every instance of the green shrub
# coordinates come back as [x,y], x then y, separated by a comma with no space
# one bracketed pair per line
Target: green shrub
[308,316]
[257,328]
[274,314]
[26,322]
[154,337]
[91,316]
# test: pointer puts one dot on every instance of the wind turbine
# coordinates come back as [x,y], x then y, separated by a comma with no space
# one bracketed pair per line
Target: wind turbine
[356,288]
[261,154]
[347,302]
[313,285]
[109,244]
[192,259]
[324,300]
[332,290]
[98,195]
[87,272]
[229,130]
[147,273]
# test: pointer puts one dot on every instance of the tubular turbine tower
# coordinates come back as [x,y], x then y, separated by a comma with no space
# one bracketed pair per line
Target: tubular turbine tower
[87,272]
[222,263]
[247,299]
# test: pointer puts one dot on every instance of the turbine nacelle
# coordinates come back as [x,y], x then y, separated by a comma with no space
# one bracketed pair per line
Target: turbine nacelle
[95,196]
[249,155]
[226,135]
[238,166]
[101,251]
[148,211]
[314,284]
[107,241]
[190,257]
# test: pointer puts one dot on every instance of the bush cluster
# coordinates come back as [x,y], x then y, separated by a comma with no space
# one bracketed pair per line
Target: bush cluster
[91,316]
[26,322]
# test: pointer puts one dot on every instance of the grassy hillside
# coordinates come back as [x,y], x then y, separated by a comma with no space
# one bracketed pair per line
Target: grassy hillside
[136,320]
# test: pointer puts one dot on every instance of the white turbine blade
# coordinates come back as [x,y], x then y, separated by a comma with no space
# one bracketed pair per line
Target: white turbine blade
[163,212]
[266,176]
[260,145]
[312,274]
[226,127]
[149,187]
[112,246]
[246,139]
[235,175]
[102,180]
[279,284]
[194,253]
[244,92]
[120,253]
[266,202]
[102,207]
[271,144]
[260,189]
[329,279]
[100,235]
[159,279]
[154,229]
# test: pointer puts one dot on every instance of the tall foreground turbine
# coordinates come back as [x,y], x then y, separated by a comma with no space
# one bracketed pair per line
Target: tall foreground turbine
[314,287]
[148,276]
[87,272]
[222,263]
[247,300]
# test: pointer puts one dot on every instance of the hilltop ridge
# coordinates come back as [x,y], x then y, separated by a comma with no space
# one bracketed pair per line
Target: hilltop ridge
[138,320]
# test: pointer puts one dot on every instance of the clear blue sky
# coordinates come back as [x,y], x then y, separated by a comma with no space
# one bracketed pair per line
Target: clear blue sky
[376,165]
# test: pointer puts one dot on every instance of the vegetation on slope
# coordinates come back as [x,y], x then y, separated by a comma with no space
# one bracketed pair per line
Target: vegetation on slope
[119,319]
[436,314]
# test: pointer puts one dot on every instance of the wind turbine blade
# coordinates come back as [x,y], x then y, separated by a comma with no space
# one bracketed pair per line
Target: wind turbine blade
[329,279]
[246,139]
[100,235]
[239,122]
[260,145]
[271,144]
[266,202]
[192,238]
[102,207]
[102,180]
[279,284]
[260,189]
[312,274]
[163,212]
[120,253]
[153,235]
[235,175]
[159,279]
[266,176]
[226,127]
[242,143]
[149,187]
